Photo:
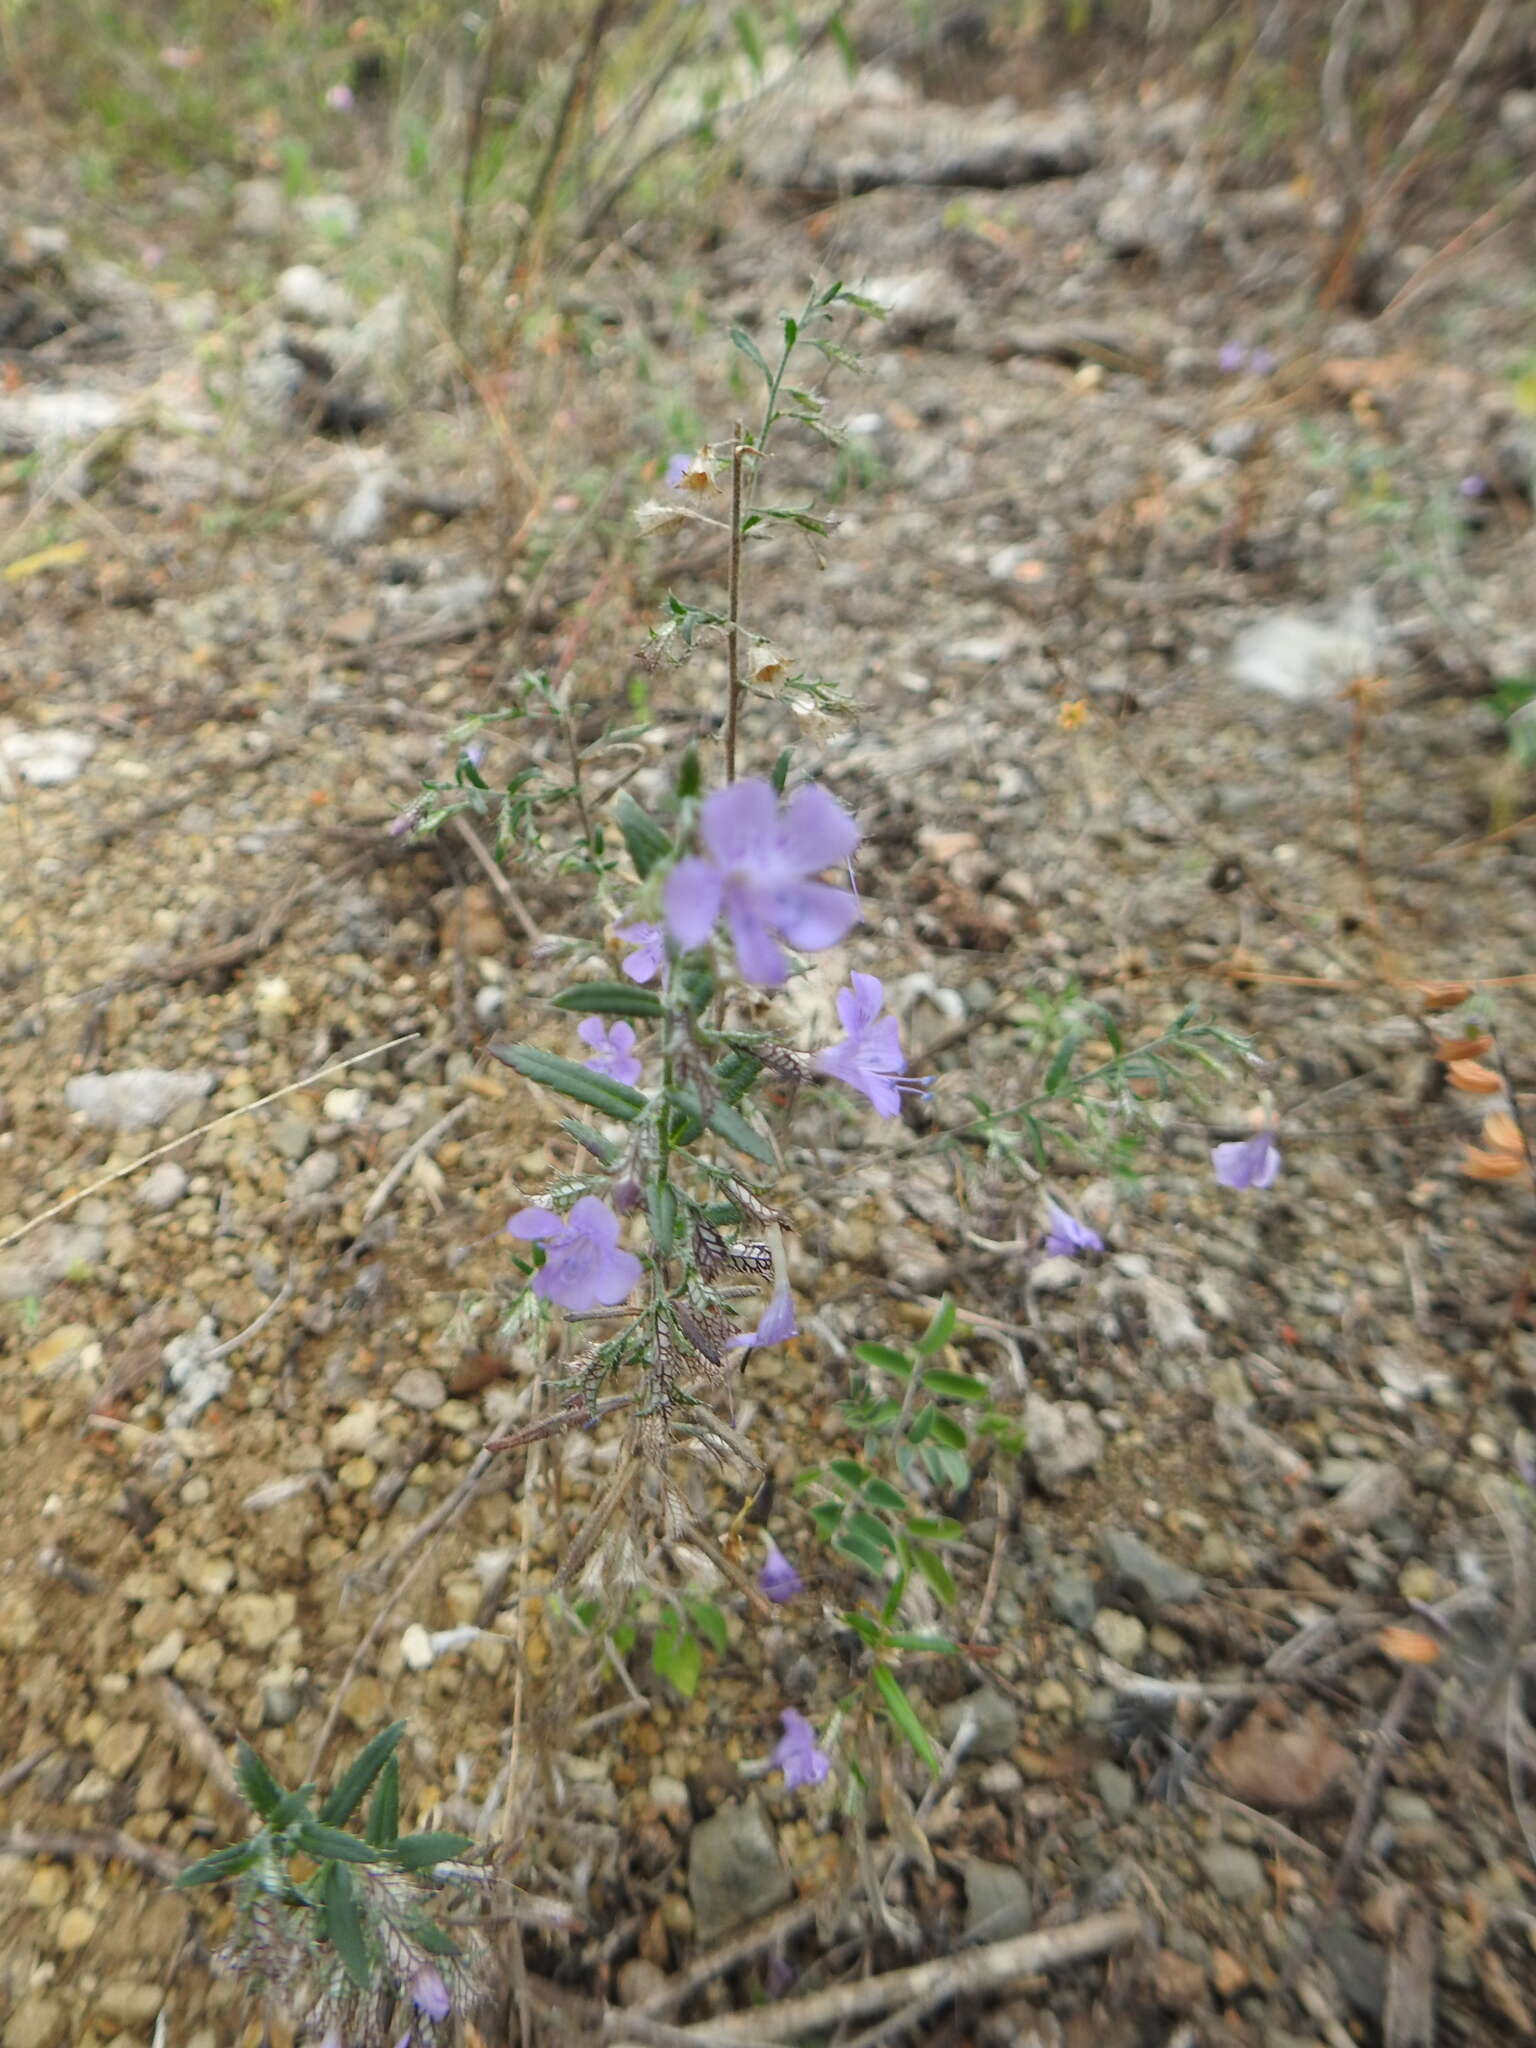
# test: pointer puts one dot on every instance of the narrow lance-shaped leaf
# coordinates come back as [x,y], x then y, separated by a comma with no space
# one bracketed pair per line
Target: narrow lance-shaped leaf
[223,1863]
[347,1794]
[261,1789]
[904,1715]
[421,1852]
[548,1070]
[344,1924]
[609,999]
[328,1844]
[384,1810]
[646,842]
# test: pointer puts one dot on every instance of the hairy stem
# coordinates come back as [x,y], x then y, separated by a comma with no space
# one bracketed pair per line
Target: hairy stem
[733,609]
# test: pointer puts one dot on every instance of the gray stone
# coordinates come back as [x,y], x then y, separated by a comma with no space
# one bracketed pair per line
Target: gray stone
[47,1255]
[1116,1788]
[1064,1439]
[261,210]
[1235,439]
[1374,1495]
[134,1099]
[1407,1809]
[420,1387]
[1072,1596]
[164,1187]
[997,1901]
[996,1721]
[1358,1965]
[312,1176]
[734,1870]
[1235,1874]
[1118,1635]
[1155,1578]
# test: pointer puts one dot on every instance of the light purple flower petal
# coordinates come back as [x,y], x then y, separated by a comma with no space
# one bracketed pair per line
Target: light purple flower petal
[594,1032]
[778,1580]
[1474,486]
[534,1224]
[797,1754]
[860,1003]
[583,1267]
[817,830]
[739,826]
[678,468]
[430,1994]
[1247,1162]
[776,1325]
[1231,357]
[650,954]
[758,954]
[692,900]
[814,915]
[340,99]
[1066,1237]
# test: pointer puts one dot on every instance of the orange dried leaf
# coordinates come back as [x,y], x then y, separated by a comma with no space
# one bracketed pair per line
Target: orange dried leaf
[1448,1049]
[1443,995]
[1503,1133]
[1478,1165]
[1408,1646]
[1472,1078]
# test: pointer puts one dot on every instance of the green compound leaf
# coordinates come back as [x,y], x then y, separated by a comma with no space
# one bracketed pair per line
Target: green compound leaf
[347,1794]
[548,1070]
[421,1852]
[904,1715]
[262,1791]
[608,999]
[221,1864]
[344,1925]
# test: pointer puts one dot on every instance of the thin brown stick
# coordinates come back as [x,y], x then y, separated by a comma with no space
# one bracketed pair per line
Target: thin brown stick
[198,1740]
[635,2026]
[530,242]
[1476,232]
[22,1769]
[497,879]
[408,1158]
[101,1843]
[733,608]
[778,1927]
[474,135]
[230,1116]
[969,1974]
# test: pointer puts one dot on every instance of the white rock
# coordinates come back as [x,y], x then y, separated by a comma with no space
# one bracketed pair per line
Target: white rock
[46,1255]
[345,1105]
[163,1188]
[45,759]
[416,1648]
[1064,1439]
[34,419]
[1305,660]
[304,292]
[135,1098]
[364,515]
[194,1374]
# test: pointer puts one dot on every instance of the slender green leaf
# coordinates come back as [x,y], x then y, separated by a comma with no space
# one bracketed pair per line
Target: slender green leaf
[885,1358]
[868,1554]
[548,1070]
[849,1470]
[591,1141]
[690,778]
[347,1794]
[781,767]
[432,1846]
[868,1631]
[922,1639]
[1066,1052]
[955,1386]
[222,1863]
[261,1789]
[881,1494]
[344,1925]
[939,1331]
[936,1572]
[742,340]
[609,999]
[730,1124]
[838,32]
[904,1715]
[934,1528]
[661,1212]
[328,1844]
[431,1938]
[858,1523]
[826,1515]
[747,35]
[646,842]
[948,1432]
[383,1825]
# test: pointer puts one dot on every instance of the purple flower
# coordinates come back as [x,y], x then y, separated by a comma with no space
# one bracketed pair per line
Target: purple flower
[1247,1162]
[339,99]
[870,1057]
[757,871]
[583,1266]
[1474,486]
[677,469]
[778,1580]
[1065,1237]
[797,1755]
[650,954]
[1262,361]
[776,1325]
[613,1048]
[1231,358]
[429,1993]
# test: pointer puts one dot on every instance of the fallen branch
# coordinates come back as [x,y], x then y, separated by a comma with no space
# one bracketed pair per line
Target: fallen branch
[976,1971]
[103,1843]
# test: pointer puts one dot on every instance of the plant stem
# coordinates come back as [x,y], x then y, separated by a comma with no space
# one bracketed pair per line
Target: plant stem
[733,608]
[474,134]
